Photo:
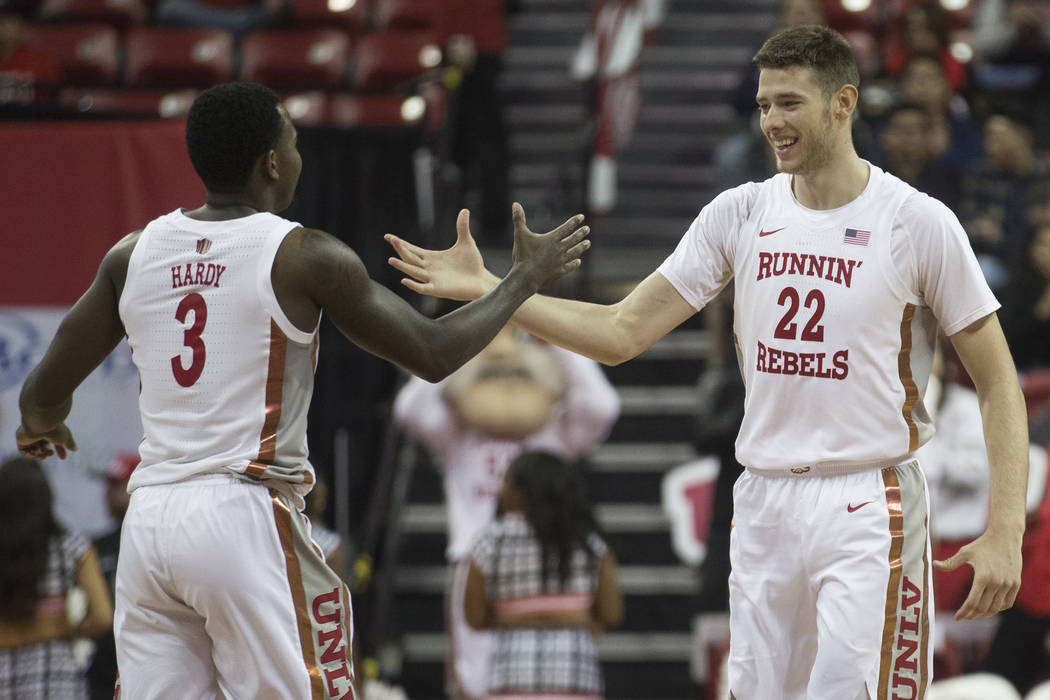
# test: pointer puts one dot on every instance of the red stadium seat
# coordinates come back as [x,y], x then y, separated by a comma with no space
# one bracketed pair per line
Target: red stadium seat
[409,14]
[87,53]
[178,56]
[295,59]
[351,15]
[348,110]
[119,13]
[386,60]
[132,103]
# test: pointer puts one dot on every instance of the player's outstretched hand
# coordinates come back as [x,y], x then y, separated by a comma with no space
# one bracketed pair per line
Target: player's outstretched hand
[996,562]
[39,446]
[454,273]
[547,257]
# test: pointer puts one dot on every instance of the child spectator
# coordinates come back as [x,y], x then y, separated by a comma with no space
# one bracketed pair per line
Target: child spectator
[41,565]
[545,581]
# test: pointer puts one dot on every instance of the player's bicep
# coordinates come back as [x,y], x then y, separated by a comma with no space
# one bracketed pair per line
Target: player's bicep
[367,313]
[984,353]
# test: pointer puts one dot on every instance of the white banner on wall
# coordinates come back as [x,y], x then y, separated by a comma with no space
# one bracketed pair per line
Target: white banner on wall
[104,420]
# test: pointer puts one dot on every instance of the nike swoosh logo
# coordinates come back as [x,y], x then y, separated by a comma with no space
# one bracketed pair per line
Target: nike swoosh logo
[770,233]
[850,508]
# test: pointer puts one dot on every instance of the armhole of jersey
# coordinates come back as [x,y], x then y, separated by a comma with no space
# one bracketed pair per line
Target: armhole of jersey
[268,298]
[133,268]
[893,277]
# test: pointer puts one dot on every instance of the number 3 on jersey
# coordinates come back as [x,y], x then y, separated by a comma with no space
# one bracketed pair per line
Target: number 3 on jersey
[191,338]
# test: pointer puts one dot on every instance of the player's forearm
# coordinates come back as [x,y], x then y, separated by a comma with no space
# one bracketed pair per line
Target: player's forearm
[1006,439]
[37,417]
[593,330]
[466,331]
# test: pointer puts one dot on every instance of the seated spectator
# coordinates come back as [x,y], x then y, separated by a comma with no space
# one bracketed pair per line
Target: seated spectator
[40,565]
[923,28]
[955,138]
[997,193]
[233,15]
[904,150]
[543,579]
[793,13]
[26,76]
[1025,314]
[1012,46]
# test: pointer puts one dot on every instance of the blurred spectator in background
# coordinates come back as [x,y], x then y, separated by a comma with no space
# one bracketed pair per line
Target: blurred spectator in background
[517,394]
[26,76]
[40,567]
[102,673]
[1025,314]
[477,39]
[997,194]
[543,579]
[607,61]
[924,28]
[904,150]
[793,13]
[955,138]
[237,16]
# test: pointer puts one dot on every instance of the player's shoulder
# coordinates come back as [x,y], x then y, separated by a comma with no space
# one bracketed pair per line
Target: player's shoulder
[737,202]
[914,207]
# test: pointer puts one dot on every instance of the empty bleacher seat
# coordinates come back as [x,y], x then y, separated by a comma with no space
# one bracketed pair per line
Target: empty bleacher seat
[87,53]
[349,110]
[351,15]
[138,103]
[118,13]
[178,56]
[385,60]
[295,59]
[409,14]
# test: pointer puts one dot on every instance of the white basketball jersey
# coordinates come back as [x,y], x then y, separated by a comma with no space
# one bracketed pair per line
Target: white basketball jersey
[226,379]
[835,315]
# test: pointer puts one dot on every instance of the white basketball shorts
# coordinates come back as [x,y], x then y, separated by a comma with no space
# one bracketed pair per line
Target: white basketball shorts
[222,594]
[831,588]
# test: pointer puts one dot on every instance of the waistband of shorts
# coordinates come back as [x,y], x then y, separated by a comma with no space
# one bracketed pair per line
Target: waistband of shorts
[832,469]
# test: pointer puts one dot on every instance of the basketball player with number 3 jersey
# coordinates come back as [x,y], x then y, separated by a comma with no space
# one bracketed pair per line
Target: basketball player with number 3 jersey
[842,274]
[220,591]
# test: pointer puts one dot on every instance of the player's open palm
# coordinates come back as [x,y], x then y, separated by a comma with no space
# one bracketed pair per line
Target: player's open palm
[454,273]
[996,562]
[548,256]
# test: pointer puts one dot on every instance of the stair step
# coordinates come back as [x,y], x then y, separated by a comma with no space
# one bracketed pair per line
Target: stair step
[634,580]
[612,647]
[632,517]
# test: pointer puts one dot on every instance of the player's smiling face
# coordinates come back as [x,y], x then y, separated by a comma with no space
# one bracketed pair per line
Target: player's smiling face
[796,119]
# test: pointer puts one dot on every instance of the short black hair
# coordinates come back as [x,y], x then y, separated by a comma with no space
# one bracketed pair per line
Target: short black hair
[228,127]
[823,50]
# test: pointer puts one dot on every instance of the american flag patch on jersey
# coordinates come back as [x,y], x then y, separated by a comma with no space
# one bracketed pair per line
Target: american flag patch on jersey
[856,236]
[203,246]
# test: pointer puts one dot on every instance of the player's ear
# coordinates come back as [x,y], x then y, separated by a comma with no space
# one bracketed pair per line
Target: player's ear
[268,165]
[845,101]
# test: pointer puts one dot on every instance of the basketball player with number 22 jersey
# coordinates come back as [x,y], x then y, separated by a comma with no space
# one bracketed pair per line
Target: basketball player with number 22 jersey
[842,274]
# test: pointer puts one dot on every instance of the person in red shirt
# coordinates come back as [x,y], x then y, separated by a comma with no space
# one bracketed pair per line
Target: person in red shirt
[27,76]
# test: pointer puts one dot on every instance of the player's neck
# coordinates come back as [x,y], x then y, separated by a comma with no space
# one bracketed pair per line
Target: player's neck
[224,208]
[835,185]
